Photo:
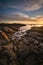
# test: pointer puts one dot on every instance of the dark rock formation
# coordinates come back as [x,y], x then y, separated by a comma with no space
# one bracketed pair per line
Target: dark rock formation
[28,50]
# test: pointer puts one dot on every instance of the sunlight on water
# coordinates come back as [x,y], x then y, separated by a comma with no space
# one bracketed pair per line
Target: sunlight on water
[38,25]
[27,27]
[22,31]
[24,28]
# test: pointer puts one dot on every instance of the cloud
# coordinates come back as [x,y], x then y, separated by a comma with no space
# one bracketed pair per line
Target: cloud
[15,16]
[40,18]
[28,5]
[20,16]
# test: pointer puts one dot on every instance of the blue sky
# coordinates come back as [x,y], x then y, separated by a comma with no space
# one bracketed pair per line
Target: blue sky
[20,9]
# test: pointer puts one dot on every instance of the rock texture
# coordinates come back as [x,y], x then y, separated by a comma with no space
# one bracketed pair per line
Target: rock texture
[28,50]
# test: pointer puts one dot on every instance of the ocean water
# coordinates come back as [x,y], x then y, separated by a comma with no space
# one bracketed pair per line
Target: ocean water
[27,27]
[22,31]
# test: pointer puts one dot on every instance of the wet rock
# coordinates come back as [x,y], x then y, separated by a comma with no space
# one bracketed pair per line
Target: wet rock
[36,42]
[25,49]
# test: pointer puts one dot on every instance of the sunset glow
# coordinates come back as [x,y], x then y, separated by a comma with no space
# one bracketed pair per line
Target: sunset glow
[21,11]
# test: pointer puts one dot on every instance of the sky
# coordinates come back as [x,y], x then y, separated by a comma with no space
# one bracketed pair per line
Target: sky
[21,10]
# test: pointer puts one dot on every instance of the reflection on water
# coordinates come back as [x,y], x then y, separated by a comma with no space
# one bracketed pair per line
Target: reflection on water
[24,28]
[27,27]
[37,25]
[22,31]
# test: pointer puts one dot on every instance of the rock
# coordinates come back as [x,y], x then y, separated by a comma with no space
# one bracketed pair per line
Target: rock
[24,49]
[36,42]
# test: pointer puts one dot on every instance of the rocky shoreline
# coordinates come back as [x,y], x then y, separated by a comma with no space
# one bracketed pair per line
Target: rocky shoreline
[27,50]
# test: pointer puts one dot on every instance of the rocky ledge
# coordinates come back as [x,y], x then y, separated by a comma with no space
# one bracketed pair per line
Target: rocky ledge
[27,50]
